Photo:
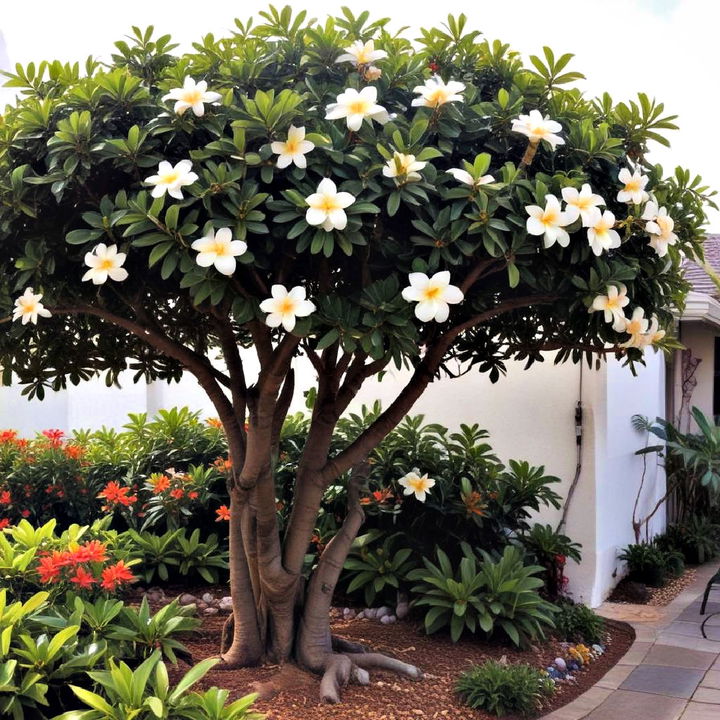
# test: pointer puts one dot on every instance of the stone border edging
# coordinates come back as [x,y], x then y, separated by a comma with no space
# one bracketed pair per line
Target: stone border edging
[647,633]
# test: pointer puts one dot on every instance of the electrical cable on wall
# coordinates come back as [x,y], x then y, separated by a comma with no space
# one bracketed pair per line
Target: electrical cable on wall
[578,445]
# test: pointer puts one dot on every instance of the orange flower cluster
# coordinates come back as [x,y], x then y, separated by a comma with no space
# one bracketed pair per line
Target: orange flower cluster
[214,423]
[223,465]
[474,503]
[116,494]
[379,497]
[5,498]
[223,513]
[82,566]
[173,484]
[54,436]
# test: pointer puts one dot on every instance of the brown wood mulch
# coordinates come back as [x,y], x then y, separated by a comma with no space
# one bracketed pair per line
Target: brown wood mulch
[292,694]
[658,597]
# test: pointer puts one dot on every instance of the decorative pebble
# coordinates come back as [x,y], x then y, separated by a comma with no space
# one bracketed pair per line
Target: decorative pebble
[598,649]
[187,599]
[382,612]
[560,664]
[208,598]
[388,619]
[360,615]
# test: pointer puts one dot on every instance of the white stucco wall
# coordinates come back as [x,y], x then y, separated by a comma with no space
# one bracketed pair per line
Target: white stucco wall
[699,337]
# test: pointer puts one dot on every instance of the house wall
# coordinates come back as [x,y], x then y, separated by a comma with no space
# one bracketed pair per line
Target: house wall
[700,339]
[529,414]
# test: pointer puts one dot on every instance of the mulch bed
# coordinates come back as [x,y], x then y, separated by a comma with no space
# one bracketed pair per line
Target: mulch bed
[293,694]
[659,597]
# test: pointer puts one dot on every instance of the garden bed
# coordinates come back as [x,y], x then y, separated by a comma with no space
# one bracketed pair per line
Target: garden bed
[658,597]
[291,693]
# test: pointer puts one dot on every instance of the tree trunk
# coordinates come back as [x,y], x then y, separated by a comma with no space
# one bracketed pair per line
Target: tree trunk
[269,625]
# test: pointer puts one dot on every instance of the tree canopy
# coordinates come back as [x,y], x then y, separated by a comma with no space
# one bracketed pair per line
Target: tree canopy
[435,178]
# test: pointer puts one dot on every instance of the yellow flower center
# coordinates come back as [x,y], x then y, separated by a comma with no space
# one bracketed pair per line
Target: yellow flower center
[192,96]
[291,147]
[582,202]
[539,131]
[634,327]
[437,97]
[358,107]
[286,305]
[417,484]
[632,185]
[613,303]
[362,56]
[29,307]
[105,264]
[550,217]
[220,249]
[602,227]
[433,292]
[169,178]
[329,203]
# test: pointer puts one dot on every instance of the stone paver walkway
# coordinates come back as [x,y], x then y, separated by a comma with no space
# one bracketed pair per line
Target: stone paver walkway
[669,673]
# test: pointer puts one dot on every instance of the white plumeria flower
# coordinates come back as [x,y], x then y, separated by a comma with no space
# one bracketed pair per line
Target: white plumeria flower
[192,95]
[601,235]
[404,165]
[660,229]
[356,106]
[28,307]
[372,73]
[650,211]
[433,295]
[612,306]
[548,222]
[637,327]
[360,53]
[581,204]
[633,191]
[538,128]
[294,149]
[463,176]
[171,179]
[284,307]
[654,333]
[435,92]
[219,249]
[105,262]
[416,484]
[327,206]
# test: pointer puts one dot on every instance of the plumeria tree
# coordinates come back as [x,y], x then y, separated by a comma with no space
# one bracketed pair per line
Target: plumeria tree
[339,191]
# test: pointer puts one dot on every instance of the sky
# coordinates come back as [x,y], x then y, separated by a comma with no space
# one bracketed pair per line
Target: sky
[665,48]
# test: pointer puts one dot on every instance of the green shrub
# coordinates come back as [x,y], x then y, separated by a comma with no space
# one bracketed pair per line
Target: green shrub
[145,694]
[130,633]
[175,555]
[578,623]
[483,595]
[646,564]
[504,689]
[551,550]
[377,569]
[698,539]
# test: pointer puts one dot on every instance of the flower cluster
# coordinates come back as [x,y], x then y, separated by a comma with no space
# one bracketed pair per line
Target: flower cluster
[83,567]
[116,495]
[643,331]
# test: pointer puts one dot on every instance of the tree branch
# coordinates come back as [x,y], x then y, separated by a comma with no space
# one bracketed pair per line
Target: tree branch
[423,375]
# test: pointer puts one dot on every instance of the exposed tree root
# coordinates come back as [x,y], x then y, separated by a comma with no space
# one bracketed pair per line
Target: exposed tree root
[342,645]
[340,669]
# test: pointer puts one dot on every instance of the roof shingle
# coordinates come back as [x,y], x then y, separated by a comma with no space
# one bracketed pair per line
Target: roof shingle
[696,276]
